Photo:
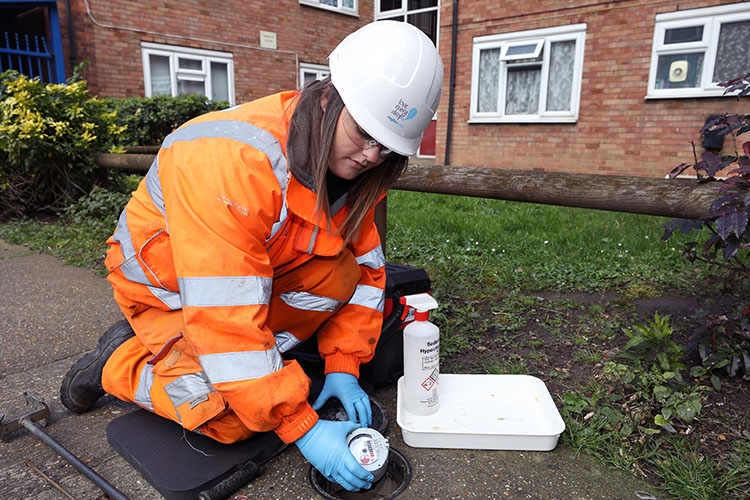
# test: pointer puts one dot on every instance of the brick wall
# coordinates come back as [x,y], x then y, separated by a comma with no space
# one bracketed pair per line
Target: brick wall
[110,39]
[618,131]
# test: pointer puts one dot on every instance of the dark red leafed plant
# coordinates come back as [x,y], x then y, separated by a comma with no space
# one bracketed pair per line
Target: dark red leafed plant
[723,340]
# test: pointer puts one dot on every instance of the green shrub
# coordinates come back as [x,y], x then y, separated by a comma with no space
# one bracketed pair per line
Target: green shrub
[148,120]
[48,134]
[100,208]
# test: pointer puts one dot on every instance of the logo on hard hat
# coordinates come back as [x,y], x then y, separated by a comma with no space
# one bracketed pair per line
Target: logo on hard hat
[401,113]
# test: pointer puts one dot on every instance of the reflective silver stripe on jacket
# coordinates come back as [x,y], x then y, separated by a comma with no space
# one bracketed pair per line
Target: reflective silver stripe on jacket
[368,296]
[231,129]
[286,341]
[307,301]
[225,291]
[239,366]
[191,388]
[143,392]
[153,186]
[374,259]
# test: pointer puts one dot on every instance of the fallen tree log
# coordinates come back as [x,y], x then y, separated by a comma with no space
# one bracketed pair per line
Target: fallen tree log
[126,161]
[678,198]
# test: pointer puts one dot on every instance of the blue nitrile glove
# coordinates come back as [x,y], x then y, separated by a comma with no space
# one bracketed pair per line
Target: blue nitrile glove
[324,446]
[355,401]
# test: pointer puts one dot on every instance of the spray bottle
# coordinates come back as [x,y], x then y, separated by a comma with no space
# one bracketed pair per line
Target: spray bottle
[421,356]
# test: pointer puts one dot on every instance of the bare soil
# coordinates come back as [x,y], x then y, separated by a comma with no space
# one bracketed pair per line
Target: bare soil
[549,344]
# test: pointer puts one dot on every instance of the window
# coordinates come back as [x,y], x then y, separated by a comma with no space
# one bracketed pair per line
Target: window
[521,50]
[171,70]
[421,13]
[309,73]
[693,50]
[342,6]
[529,76]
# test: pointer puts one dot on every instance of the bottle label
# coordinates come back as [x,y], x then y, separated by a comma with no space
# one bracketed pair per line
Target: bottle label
[430,362]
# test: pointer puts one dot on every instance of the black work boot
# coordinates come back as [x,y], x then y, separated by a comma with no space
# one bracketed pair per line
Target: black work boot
[82,385]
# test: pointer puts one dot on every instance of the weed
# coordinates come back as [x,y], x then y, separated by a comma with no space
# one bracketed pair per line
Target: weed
[580,340]
[691,475]
[657,381]
[588,356]
[514,365]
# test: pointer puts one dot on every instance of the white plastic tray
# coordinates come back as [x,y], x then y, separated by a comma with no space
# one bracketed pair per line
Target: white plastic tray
[487,412]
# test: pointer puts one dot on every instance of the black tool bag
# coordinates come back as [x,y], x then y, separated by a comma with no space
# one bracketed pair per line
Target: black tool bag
[388,363]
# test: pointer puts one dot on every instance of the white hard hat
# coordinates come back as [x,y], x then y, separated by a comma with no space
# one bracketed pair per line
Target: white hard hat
[390,77]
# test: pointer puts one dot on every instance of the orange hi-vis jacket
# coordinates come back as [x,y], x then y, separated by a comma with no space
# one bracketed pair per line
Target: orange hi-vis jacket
[218,216]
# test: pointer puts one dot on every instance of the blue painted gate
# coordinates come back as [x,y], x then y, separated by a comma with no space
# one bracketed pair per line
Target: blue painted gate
[35,55]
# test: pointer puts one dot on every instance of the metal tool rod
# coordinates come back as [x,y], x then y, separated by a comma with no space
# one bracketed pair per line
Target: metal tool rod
[111,491]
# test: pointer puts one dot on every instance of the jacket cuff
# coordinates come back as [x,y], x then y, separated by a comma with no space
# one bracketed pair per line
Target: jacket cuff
[294,426]
[342,363]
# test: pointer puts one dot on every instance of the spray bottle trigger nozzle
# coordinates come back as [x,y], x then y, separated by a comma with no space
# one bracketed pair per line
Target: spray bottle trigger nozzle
[420,302]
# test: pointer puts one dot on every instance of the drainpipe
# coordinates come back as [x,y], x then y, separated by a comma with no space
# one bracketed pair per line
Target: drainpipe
[452,85]
[71,36]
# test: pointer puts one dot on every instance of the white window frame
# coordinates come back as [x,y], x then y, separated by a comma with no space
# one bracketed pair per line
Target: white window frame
[543,38]
[175,55]
[711,19]
[340,6]
[320,71]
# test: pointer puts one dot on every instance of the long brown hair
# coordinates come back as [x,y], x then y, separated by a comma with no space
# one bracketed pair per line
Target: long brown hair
[308,145]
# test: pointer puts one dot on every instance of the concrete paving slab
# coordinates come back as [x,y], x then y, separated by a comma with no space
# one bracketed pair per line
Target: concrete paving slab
[51,314]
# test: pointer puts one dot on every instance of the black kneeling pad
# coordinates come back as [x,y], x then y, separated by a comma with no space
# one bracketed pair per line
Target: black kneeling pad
[182,465]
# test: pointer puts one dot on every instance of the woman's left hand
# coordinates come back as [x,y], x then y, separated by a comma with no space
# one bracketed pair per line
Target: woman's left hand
[345,387]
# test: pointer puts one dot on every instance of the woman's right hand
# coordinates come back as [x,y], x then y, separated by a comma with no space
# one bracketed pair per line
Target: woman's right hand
[324,446]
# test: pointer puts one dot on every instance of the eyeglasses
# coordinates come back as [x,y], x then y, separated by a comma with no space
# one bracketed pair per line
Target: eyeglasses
[361,138]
